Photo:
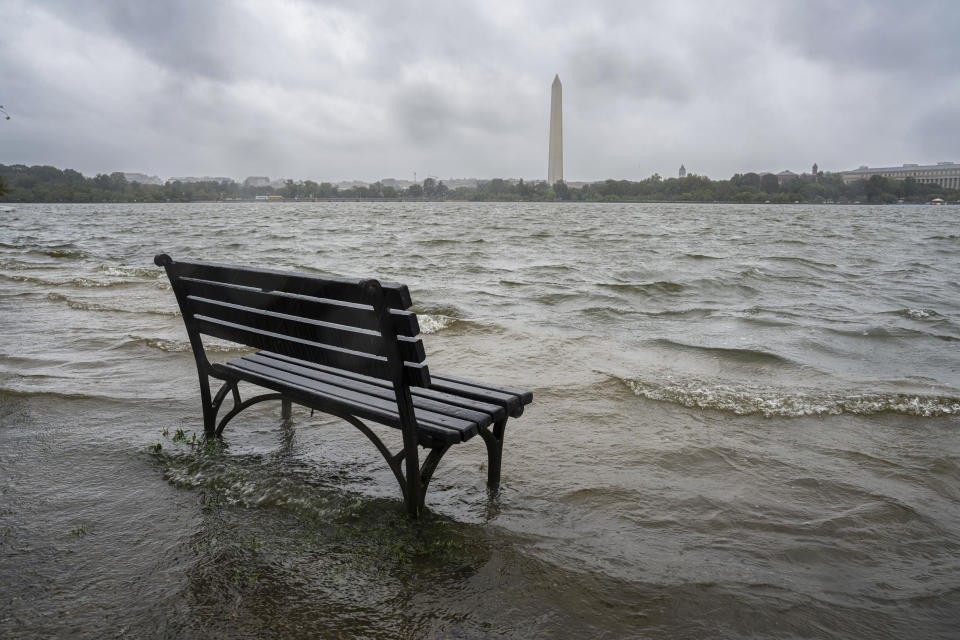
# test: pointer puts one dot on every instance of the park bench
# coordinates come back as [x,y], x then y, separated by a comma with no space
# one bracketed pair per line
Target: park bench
[345,347]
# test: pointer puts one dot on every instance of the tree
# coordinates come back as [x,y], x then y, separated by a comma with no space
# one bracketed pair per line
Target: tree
[310,189]
[769,183]
[3,187]
[750,180]
[875,188]
[909,187]
[415,191]
[289,189]
[561,190]
[429,187]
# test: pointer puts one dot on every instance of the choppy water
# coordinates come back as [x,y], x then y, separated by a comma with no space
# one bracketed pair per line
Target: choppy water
[746,423]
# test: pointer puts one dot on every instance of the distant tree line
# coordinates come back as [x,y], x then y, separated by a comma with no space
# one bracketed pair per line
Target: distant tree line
[20,183]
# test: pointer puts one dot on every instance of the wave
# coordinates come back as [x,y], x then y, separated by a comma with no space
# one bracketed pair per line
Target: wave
[749,356]
[619,312]
[645,288]
[889,333]
[63,251]
[148,273]
[558,298]
[90,306]
[169,345]
[771,402]
[819,266]
[85,283]
[700,256]
[439,242]
[57,395]
[434,323]
[915,314]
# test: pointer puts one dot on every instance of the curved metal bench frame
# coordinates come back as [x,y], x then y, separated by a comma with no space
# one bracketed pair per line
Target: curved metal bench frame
[394,460]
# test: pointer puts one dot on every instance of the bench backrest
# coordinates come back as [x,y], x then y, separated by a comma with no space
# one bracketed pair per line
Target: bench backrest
[361,326]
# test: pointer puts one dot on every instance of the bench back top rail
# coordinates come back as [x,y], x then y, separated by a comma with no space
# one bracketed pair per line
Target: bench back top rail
[361,326]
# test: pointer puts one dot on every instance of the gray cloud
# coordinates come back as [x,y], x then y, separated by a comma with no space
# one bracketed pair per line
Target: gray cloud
[915,38]
[336,90]
[936,132]
[597,68]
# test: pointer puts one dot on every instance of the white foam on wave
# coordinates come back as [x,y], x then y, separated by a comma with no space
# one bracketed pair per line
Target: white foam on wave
[210,345]
[771,402]
[921,314]
[434,323]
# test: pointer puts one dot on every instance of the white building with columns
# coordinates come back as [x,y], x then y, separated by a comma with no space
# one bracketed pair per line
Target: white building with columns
[945,174]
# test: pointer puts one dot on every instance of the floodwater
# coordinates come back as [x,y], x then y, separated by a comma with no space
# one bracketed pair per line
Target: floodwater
[746,424]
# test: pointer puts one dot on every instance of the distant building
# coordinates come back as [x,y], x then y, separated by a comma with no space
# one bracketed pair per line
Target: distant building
[350,184]
[786,176]
[142,178]
[945,174]
[455,183]
[815,171]
[192,179]
[257,181]
[683,171]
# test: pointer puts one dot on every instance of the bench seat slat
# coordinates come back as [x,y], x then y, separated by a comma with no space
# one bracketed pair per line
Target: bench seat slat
[496,411]
[378,388]
[436,426]
[397,295]
[303,394]
[526,397]
[423,417]
[334,311]
[512,400]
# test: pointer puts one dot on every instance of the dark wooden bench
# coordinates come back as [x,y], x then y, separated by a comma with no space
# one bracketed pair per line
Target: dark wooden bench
[342,346]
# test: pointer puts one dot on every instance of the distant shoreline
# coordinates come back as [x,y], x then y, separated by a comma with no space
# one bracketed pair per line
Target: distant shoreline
[20,183]
[490,200]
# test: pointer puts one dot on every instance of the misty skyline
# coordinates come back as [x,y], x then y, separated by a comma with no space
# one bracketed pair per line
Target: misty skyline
[337,91]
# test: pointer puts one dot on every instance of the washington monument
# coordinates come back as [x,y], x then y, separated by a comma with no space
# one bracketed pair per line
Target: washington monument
[555,163]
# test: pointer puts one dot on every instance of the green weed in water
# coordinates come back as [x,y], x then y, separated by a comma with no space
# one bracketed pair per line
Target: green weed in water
[79,531]
[249,579]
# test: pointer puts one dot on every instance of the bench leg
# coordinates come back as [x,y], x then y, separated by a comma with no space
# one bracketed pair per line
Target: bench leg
[210,405]
[286,408]
[427,469]
[494,441]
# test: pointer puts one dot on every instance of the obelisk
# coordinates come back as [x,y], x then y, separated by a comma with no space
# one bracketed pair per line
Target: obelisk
[555,160]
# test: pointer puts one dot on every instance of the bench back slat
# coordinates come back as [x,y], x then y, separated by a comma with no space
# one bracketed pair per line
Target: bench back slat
[397,296]
[335,311]
[327,321]
[352,338]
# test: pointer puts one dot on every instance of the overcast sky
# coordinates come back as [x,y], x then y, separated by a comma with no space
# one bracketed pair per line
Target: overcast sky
[338,90]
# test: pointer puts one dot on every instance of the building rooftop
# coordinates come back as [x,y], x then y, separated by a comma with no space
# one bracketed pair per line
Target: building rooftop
[912,167]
